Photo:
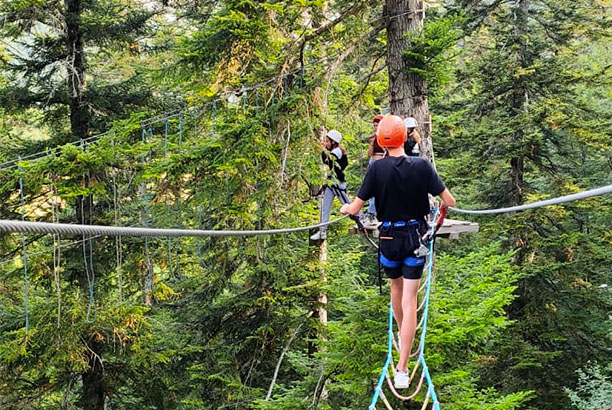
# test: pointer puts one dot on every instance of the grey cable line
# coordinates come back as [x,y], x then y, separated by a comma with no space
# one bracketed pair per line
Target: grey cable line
[554,201]
[8,226]
[10,164]
[66,245]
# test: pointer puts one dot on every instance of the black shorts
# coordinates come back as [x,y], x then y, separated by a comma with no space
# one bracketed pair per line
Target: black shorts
[398,241]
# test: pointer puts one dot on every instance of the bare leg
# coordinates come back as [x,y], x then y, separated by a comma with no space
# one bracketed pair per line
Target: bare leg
[409,320]
[397,286]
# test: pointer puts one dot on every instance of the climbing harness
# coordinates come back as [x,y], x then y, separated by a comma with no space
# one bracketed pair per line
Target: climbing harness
[423,249]
[316,190]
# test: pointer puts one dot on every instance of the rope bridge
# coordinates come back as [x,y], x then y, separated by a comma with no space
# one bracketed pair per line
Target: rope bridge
[424,307]
[88,232]
[391,343]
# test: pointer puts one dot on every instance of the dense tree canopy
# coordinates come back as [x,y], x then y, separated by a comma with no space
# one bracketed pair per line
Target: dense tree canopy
[200,114]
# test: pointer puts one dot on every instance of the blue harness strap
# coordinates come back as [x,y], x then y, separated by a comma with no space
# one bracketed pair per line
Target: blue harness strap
[414,261]
[398,224]
[409,261]
[389,263]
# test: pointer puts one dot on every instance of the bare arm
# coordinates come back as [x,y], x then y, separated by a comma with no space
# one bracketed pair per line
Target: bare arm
[371,148]
[353,208]
[447,198]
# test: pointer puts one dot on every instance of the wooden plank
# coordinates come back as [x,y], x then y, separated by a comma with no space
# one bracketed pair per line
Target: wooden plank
[451,228]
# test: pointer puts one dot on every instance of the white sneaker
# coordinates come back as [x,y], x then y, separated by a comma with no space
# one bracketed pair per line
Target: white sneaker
[318,236]
[401,380]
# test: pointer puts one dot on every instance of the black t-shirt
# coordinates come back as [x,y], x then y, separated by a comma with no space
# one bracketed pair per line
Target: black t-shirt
[336,162]
[400,186]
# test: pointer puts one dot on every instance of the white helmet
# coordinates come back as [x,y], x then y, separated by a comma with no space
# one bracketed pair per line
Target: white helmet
[411,122]
[334,136]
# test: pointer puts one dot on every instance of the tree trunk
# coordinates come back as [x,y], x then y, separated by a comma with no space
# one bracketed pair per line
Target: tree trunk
[93,380]
[407,91]
[79,116]
[519,102]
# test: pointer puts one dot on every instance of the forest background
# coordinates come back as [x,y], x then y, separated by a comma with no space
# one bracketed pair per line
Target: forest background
[209,114]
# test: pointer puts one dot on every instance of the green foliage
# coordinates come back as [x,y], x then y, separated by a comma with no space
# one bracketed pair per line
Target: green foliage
[40,47]
[431,51]
[520,126]
[515,309]
[594,388]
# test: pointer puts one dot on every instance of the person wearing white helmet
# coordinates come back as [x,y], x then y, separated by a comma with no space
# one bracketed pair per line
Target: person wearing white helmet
[411,146]
[334,156]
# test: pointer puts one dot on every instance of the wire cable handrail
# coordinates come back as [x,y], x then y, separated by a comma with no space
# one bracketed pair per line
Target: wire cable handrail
[9,226]
[548,202]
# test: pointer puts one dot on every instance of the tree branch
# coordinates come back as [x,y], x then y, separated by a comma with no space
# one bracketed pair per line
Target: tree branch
[327,27]
[280,359]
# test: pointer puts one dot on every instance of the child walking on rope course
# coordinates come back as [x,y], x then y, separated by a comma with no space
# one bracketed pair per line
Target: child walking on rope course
[401,185]
[337,161]
[375,152]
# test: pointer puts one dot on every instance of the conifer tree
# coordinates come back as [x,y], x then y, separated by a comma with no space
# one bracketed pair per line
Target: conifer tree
[60,59]
[53,58]
[521,121]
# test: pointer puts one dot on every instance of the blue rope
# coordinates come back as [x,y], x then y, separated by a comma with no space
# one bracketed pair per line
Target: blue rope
[26,287]
[150,152]
[430,385]
[147,133]
[212,120]
[89,272]
[381,379]
[92,283]
[421,358]
[169,241]
[166,138]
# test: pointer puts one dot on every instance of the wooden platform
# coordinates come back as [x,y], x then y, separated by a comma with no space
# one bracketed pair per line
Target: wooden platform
[450,229]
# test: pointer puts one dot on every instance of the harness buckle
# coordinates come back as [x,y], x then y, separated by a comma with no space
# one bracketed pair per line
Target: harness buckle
[421,251]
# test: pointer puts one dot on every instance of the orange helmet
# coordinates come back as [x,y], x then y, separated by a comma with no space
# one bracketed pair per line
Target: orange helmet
[378,118]
[391,132]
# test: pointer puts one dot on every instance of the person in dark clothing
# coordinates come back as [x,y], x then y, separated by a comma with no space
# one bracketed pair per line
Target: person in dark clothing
[401,186]
[336,159]
[413,138]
